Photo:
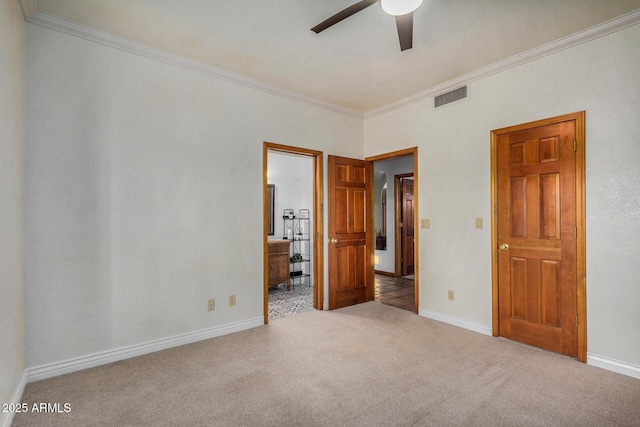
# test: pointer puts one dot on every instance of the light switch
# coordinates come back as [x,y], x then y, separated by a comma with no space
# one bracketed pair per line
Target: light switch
[425,223]
[479,223]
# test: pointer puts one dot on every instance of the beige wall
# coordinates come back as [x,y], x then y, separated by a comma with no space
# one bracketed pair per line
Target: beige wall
[12,353]
[601,77]
[144,195]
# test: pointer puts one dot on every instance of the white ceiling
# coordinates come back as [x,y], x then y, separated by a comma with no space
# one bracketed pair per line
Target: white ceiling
[356,64]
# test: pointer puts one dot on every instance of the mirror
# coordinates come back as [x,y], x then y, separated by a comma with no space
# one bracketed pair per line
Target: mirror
[380,210]
[271,193]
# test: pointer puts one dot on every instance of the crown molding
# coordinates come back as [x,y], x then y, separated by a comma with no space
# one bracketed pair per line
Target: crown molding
[601,30]
[34,16]
[29,8]
[43,19]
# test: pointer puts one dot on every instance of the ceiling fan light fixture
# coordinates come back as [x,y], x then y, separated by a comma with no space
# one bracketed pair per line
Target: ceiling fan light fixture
[399,7]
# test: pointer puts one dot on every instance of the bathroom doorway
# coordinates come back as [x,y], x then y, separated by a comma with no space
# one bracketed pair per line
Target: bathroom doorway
[292,228]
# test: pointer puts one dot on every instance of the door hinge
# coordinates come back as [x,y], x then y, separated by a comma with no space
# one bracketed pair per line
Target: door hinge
[401,225]
[575,145]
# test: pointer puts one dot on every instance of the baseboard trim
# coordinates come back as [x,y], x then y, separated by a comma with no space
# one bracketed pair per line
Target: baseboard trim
[613,365]
[7,420]
[456,321]
[385,273]
[90,361]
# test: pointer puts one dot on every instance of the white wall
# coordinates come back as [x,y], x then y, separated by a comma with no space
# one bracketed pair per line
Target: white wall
[293,177]
[144,194]
[601,77]
[392,167]
[12,347]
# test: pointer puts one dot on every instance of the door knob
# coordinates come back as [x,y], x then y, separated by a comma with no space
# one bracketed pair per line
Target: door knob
[334,241]
[504,247]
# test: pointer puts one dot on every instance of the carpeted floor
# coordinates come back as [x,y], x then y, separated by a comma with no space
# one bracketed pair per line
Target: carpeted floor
[283,303]
[366,365]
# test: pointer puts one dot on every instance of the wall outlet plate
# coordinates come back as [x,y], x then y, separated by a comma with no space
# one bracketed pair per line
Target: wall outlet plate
[232,300]
[211,305]
[452,295]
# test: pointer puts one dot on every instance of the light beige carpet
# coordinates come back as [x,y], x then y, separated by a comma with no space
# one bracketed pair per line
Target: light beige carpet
[368,365]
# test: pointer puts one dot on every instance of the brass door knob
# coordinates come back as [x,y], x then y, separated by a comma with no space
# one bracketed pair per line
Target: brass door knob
[334,241]
[504,247]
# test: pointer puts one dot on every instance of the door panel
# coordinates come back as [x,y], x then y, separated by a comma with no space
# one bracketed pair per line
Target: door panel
[536,231]
[350,266]
[343,261]
[357,213]
[341,204]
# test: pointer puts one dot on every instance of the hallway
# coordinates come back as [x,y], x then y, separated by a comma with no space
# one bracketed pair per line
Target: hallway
[395,291]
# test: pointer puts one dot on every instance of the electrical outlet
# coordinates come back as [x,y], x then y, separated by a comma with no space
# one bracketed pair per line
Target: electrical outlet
[425,223]
[479,223]
[452,296]
[211,305]
[232,300]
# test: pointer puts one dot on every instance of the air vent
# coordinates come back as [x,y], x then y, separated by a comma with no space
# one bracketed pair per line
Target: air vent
[448,97]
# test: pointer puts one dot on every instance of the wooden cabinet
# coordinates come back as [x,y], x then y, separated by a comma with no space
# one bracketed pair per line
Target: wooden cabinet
[279,262]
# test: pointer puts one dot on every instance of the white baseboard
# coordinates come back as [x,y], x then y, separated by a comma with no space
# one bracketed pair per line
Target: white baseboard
[7,418]
[456,321]
[84,362]
[613,365]
[593,359]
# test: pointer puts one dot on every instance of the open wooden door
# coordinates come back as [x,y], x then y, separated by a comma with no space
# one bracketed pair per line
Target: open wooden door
[537,211]
[407,228]
[350,237]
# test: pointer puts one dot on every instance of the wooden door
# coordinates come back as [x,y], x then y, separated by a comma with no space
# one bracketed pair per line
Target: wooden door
[350,248]
[406,197]
[537,235]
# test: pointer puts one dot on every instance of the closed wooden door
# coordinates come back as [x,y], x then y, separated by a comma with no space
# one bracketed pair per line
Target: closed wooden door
[350,250]
[406,196]
[537,235]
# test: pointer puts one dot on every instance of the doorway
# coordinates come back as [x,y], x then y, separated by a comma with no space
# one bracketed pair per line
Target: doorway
[279,261]
[538,234]
[395,177]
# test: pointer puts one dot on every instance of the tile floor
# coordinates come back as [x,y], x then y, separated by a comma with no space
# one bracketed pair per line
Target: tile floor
[395,291]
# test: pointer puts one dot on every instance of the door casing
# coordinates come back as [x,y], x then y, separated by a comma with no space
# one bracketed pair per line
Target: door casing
[581,304]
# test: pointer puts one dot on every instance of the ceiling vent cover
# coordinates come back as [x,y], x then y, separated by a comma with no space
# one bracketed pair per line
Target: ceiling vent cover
[448,97]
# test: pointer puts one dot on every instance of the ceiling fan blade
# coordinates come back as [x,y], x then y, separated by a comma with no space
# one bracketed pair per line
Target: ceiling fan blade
[344,14]
[405,30]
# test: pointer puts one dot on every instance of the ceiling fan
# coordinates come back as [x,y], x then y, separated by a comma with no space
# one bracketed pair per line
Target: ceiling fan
[401,9]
